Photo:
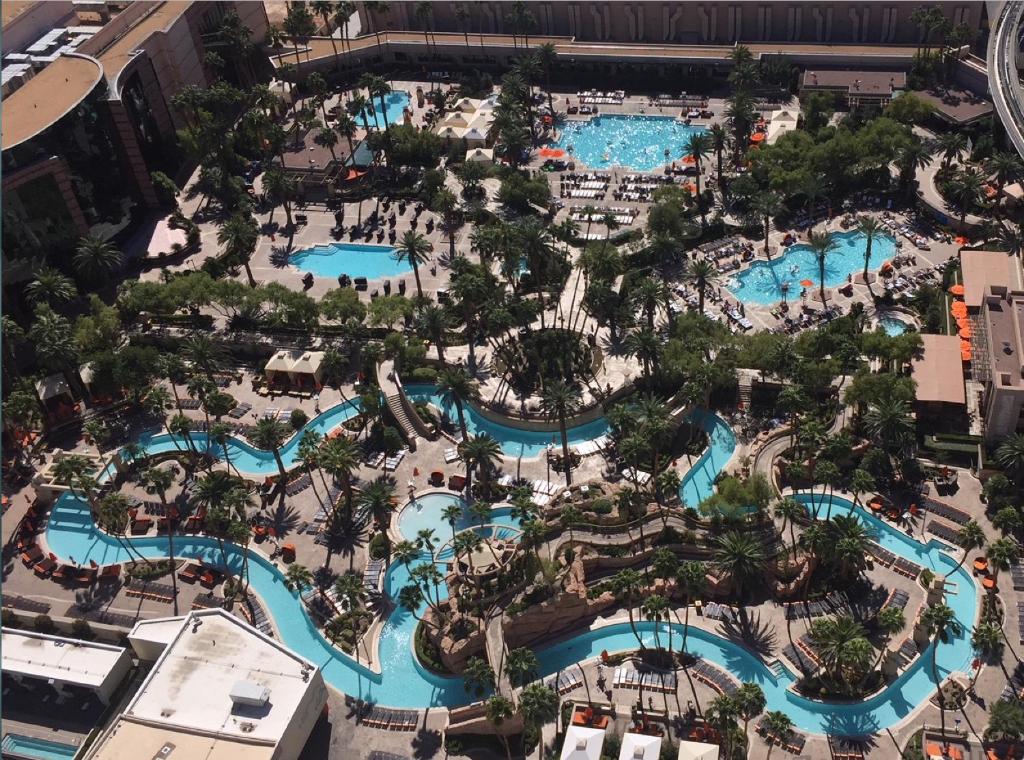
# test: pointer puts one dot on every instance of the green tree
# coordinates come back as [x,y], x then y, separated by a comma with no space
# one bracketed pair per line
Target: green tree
[559,401]
[742,556]
[941,623]
[821,244]
[521,666]
[414,249]
[96,258]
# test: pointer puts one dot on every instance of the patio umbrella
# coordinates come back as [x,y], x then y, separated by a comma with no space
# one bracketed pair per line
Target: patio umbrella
[956,290]
[965,332]
[807,283]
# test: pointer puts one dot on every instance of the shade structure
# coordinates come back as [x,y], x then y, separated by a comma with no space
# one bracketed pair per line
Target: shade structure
[956,290]
[697,751]
[582,743]
[51,387]
[298,366]
[965,332]
[279,362]
[467,105]
[640,747]
[806,283]
[451,133]
[475,137]
[758,137]
[480,154]
[689,159]
[457,119]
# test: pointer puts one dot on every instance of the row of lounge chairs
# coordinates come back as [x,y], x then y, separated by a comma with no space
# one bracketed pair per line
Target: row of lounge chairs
[258,618]
[1014,688]
[372,574]
[792,742]
[628,678]
[565,681]
[943,530]
[882,556]
[834,603]
[717,611]
[846,748]
[592,447]
[805,662]
[951,513]
[714,677]
[240,410]
[1020,621]
[391,720]
[908,651]
[298,485]
[612,97]
[157,592]
[898,598]
[1017,575]
[906,568]
[18,602]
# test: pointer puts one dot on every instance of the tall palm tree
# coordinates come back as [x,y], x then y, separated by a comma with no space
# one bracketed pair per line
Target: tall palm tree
[239,236]
[778,725]
[50,335]
[1011,239]
[297,577]
[1004,167]
[415,249]
[538,704]
[377,87]
[521,666]
[950,145]
[95,258]
[204,354]
[268,435]
[698,145]
[546,56]
[702,275]
[742,556]
[498,709]
[911,157]
[482,452]
[941,623]
[890,425]
[560,401]
[626,584]
[1010,455]
[870,228]
[821,245]
[433,323]
[965,191]
[51,287]
[655,609]
[692,581]
[113,517]
[457,387]
[789,511]
[969,537]
[1002,553]
[340,457]
[719,142]
[767,205]
[889,622]
[159,480]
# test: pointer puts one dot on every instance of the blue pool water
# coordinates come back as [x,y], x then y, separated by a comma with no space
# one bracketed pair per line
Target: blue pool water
[19,747]
[636,142]
[354,259]
[893,326]
[514,441]
[762,281]
[404,683]
[395,103]
[699,482]
[424,512]
[246,458]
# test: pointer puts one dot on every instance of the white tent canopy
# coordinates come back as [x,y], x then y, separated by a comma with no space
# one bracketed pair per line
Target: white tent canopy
[279,362]
[480,154]
[296,364]
[467,105]
[52,386]
[456,119]
[451,133]
[474,136]
[582,743]
[640,747]
[697,751]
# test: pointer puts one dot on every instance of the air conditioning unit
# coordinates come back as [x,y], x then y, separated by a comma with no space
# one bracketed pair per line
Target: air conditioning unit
[250,694]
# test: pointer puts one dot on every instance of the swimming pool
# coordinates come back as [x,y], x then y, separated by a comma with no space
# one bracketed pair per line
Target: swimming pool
[424,512]
[19,747]
[354,259]
[247,458]
[699,481]
[514,441]
[635,142]
[762,281]
[395,104]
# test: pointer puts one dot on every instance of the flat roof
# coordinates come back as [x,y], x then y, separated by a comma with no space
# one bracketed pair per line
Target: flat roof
[45,98]
[983,268]
[189,687]
[115,56]
[157,630]
[71,661]
[128,738]
[14,8]
[868,82]
[1004,321]
[938,371]
[957,106]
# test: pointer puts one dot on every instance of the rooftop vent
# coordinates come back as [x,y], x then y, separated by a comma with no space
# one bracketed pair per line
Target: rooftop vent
[638,753]
[581,745]
[250,694]
[1007,348]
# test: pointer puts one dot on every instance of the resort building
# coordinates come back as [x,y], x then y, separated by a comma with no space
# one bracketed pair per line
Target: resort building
[683,23]
[219,689]
[90,119]
[1002,334]
[855,89]
[72,667]
[980,269]
[938,373]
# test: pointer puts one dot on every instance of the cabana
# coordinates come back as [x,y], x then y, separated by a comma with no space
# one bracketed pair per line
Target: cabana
[300,368]
[475,137]
[457,119]
[56,396]
[582,743]
[485,155]
[467,105]
[640,747]
[697,751]
[451,133]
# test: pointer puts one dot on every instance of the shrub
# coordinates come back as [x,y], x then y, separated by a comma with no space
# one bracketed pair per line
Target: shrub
[165,189]
[378,546]
[81,629]
[8,619]
[44,624]
[298,418]
[424,375]
[602,506]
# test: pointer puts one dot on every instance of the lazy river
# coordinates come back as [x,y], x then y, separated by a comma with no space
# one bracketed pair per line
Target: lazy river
[403,683]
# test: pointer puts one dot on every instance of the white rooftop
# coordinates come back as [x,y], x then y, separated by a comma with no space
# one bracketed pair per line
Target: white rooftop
[697,751]
[191,684]
[157,630]
[68,660]
[582,743]
[640,747]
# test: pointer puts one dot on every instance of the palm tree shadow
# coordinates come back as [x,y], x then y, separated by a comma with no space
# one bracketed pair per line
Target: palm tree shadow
[284,519]
[749,630]
[426,743]
[280,256]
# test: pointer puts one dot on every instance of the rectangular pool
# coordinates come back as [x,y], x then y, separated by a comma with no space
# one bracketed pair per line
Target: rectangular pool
[19,747]
[354,259]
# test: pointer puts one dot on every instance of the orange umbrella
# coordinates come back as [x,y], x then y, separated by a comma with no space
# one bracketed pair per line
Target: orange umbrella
[958,309]
[956,290]
[688,159]
[965,332]
[557,153]
[965,345]
[961,240]
[965,355]
[757,137]
[989,583]
[691,187]
[806,283]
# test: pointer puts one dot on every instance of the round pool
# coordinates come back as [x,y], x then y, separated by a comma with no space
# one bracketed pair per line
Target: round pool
[893,326]
[426,511]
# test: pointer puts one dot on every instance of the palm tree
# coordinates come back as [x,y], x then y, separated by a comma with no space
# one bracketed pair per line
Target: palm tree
[702,275]
[751,701]
[204,354]
[969,537]
[988,639]
[326,137]
[1005,168]
[268,435]
[965,191]
[51,287]
[655,609]
[377,87]
[890,425]
[546,56]
[941,623]
[778,726]
[560,401]
[950,145]
[742,555]
[432,323]
[1010,456]
[789,511]
[1011,239]
[719,142]
[1002,553]
[498,709]
[159,480]
[340,456]
[538,704]
[96,258]
[297,577]
[911,157]
[415,249]
[889,621]
[521,666]
[113,517]
[483,452]
[346,127]
[698,145]
[309,454]
[870,228]
[691,581]
[821,245]
[766,206]
[51,338]
[239,236]
[626,583]
[457,387]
